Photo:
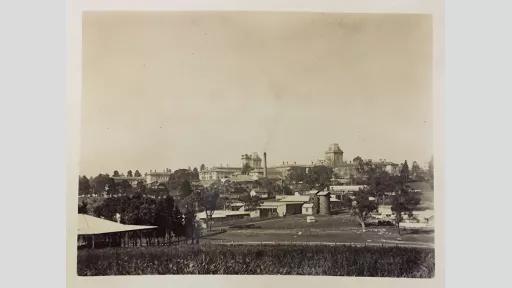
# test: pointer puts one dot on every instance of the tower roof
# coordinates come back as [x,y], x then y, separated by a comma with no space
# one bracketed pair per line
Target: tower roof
[334,148]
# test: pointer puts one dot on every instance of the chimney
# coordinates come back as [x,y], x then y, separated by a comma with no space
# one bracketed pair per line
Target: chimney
[265,164]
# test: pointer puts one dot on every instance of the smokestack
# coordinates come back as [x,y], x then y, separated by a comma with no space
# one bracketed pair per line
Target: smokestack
[265,164]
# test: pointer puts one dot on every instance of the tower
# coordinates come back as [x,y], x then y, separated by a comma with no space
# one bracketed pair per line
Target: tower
[334,155]
[246,160]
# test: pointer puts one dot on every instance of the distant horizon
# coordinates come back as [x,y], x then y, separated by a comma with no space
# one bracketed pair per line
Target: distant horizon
[422,164]
[179,89]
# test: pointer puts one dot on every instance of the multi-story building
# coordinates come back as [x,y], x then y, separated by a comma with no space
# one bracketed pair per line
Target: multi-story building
[217,173]
[158,176]
[253,160]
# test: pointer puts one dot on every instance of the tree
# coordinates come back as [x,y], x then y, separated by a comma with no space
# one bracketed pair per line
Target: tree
[111,187]
[430,172]
[178,228]
[185,189]
[362,206]
[359,165]
[140,188]
[357,160]
[404,172]
[380,182]
[404,202]
[84,186]
[137,174]
[190,225]
[116,174]
[416,171]
[124,187]
[177,178]
[208,202]
[195,174]
[251,202]
[287,190]
[296,174]
[246,169]
[99,183]
[82,207]
[202,167]
[319,176]
[129,173]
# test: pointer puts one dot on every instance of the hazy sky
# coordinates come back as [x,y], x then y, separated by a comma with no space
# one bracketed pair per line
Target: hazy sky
[167,89]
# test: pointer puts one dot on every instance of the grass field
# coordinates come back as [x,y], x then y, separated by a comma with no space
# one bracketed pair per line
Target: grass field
[259,259]
[341,228]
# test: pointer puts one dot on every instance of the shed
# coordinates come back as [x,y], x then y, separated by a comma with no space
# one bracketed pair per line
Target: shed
[92,230]
[307,209]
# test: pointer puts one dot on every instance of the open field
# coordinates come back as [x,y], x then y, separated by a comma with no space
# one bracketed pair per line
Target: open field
[340,228]
[259,259]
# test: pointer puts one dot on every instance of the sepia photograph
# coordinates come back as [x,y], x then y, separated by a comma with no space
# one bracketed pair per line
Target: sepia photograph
[256,143]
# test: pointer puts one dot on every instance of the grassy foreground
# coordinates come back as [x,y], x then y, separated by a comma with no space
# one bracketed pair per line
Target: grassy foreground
[259,259]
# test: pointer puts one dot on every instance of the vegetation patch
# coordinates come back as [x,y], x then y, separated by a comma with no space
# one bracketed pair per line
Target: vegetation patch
[259,259]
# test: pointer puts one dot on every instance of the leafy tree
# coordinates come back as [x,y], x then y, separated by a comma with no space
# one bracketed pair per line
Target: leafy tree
[99,183]
[296,174]
[185,189]
[404,172]
[319,176]
[380,182]
[116,174]
[129,173]
[178,228]
[404,202]
[430,172]
[140,188]
[362,206]
[84,186]
[360,165]
[195,174]
[246,169]
[111,188]
[189,225]
[177,178]
[202,167]
[251,202]
[287,190]
[208,202]
[137,174]
[82,207]
[357,160]
[124,187]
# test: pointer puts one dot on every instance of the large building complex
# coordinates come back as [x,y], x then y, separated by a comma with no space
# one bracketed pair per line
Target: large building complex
[158,176]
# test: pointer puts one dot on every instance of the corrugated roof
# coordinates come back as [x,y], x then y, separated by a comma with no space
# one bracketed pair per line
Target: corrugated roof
[295,198]
[222,214]
[88,225]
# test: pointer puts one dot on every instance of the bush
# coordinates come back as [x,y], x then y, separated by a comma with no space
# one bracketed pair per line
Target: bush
[259,259]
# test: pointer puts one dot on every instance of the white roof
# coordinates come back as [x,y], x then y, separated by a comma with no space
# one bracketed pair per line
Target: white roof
[295,198]
[222,214]
[307,205]
[352,188]
[88,225]
[277,203]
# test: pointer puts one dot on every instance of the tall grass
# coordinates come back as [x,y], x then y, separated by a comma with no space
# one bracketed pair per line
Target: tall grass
[259,259]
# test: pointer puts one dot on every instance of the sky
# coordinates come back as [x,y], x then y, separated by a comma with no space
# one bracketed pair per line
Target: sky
[178,89]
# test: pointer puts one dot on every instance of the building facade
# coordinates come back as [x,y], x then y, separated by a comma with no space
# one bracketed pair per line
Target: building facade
[334,156]
[158,176]
[217,173]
